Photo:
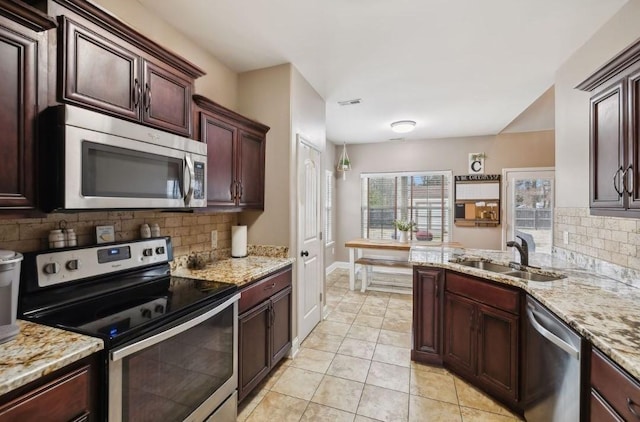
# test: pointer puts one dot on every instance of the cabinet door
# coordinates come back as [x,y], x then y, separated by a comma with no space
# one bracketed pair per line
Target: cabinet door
[427,333]
[607,165]
[18,107]
[220,138]
[253,348]
[166,100]
[498,351]
[251,155]
[460,334]
[632,176]
[280,325]
[600,411]
[99,73]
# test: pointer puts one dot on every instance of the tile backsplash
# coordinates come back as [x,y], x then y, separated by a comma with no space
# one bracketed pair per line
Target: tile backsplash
[611,239]
[190,232]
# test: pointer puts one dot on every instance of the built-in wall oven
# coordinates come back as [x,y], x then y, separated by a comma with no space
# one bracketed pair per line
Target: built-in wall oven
[170,342]
[94,161]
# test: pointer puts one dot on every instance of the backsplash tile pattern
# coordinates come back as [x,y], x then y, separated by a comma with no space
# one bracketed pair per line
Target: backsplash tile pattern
[190,232]
[607,240]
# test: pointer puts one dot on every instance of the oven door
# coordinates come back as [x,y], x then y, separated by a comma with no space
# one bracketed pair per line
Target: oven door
[107,171]
[183,373]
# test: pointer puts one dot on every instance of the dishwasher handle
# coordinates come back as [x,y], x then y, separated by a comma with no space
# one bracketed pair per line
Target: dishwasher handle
[568,348]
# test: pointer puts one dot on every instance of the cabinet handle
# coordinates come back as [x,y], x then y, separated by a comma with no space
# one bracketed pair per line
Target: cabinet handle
[304,253]
[147,97]
[232,189]
[241,190]
[630,406]
[624,179]
[136,93]
[270,287]
[616,186]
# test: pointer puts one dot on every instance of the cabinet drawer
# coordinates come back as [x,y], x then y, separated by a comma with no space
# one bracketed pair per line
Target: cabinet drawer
[480,291]
[63,399]
[600,411]
[614,385]
[264,289]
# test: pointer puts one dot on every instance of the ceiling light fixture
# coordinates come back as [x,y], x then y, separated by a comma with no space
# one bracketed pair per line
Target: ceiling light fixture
[403,126]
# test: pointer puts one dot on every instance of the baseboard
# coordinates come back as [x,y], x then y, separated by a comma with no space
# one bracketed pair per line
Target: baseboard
[325,312]
[295,348]
[336,265]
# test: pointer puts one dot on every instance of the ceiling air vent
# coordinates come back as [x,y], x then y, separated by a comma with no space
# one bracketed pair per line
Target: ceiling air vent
[350,102]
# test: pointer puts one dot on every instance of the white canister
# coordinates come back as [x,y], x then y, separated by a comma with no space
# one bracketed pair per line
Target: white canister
[155,230]
[145,231]
[70,237]
[56,239]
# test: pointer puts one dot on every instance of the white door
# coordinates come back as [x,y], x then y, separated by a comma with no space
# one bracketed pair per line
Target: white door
[529,200]
[310,271]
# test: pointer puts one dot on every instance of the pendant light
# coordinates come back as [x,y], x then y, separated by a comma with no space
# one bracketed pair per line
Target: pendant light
[344,164]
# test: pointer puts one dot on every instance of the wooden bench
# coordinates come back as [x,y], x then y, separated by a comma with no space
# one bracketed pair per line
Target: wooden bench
[379,262]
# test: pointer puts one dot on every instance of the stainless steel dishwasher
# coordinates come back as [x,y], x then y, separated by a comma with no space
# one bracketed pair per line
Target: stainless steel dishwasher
[552,371]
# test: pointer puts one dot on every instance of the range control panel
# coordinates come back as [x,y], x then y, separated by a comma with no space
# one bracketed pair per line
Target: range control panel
[63,266]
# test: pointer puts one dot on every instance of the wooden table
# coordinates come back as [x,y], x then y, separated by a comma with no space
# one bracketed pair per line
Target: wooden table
[357,245]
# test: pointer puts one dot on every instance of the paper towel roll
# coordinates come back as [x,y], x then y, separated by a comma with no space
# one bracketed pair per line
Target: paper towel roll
[238,241]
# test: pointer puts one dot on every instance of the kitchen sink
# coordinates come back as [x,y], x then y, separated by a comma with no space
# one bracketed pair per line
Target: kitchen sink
[534,276]
[510,271]
[487,266]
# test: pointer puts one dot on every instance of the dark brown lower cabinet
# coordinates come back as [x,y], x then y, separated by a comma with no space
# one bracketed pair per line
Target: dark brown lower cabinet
[480,340]
[615,394]
[428,288]
[68,394]
[264,329]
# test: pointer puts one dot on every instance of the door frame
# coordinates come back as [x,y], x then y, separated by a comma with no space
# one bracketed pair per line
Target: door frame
[302,140]
[505,195]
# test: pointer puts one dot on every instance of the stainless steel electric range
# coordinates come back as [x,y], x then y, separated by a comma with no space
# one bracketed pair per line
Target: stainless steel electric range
[170,342]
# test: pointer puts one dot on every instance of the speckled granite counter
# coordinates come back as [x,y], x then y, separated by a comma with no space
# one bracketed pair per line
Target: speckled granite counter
[39,350]
[239,271]
[604,311]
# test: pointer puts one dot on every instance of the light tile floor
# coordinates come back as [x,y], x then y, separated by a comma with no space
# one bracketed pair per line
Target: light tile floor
[356,366]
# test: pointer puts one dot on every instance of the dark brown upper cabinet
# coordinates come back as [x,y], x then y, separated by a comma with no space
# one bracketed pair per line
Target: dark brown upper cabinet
[235,156]
[615,135]
[23,63]
[105,65]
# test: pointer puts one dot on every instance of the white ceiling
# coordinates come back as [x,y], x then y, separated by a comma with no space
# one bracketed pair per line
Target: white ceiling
[457,67]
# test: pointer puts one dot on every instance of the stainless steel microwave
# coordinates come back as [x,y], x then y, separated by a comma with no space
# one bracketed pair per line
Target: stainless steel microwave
[94,161]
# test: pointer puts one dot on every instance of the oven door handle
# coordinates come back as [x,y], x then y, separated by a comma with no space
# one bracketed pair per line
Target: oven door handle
[119,354]
[192,179]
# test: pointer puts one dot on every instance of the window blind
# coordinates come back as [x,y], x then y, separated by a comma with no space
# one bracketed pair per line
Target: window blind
[421,197]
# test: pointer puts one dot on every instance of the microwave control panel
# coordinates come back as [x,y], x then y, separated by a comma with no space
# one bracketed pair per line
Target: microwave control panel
[198,188]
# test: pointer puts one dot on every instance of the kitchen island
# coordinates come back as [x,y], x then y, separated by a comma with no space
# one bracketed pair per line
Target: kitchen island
[603,310]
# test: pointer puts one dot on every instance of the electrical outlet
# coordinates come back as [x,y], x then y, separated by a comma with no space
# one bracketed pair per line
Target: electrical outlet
[214,239]
[565,237]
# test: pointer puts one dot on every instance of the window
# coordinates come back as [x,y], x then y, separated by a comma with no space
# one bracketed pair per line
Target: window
[328,207]
[422,197]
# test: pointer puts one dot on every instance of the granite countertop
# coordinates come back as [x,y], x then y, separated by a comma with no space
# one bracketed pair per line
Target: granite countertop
[39,350]
[239,271]
[603,310]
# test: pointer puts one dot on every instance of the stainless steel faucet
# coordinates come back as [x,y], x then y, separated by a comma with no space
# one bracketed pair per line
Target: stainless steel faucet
[522,249]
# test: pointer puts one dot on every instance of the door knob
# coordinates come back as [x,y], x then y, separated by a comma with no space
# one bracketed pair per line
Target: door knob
[304,253]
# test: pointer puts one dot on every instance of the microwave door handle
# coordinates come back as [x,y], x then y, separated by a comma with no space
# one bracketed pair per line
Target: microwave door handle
[192,176]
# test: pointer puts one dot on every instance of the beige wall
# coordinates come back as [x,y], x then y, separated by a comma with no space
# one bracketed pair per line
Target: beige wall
[219,83]
[531,149]
[606,238]
[265,95]
[540,115]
